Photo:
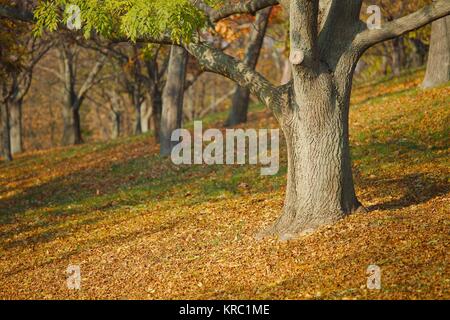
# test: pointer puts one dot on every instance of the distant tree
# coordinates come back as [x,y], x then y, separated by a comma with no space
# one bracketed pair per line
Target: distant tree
[74,94]
[34,50]
[241,96]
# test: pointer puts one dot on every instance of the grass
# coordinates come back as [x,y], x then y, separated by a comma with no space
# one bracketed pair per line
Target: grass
[141,227]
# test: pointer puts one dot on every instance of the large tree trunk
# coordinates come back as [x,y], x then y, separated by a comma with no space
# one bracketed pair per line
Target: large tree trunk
[5,126]
[241,97]
[15,113]
[438,66]
[71,126]
[172,108]
[320,188]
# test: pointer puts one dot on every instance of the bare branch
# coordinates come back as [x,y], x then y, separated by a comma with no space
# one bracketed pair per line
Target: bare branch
[398,27]
[90,80]
[216,61]
[230,9]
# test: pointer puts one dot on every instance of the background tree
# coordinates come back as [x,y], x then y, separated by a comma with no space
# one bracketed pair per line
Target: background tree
[33,51]
[73,91]
[241,96]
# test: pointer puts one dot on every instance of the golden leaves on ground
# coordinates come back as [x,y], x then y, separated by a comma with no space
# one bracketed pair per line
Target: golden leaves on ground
[140,227]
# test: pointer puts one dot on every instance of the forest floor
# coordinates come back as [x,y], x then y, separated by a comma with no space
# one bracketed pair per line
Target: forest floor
[140,227]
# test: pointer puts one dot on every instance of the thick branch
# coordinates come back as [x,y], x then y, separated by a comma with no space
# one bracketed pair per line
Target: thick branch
[216,61]
[398,27]
[303,31]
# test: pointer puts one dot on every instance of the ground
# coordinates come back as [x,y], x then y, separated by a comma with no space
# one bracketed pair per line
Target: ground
[141,227]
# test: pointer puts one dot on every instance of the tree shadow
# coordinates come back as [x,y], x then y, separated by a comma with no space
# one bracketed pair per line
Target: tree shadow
[416,188]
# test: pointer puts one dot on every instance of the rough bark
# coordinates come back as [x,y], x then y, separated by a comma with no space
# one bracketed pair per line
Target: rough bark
[438,66]
[320,187]
[241,97]
[173,99]
[15,115]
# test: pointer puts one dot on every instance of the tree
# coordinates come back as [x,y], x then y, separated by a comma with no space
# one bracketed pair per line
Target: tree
[327,38]
[241,96]
[438,66]
[33,50]
[73,93]
[5,134]
[172,106]
[74,97]
[116,110]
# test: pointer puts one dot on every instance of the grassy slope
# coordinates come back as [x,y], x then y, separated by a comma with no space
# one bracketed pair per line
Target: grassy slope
[140,227]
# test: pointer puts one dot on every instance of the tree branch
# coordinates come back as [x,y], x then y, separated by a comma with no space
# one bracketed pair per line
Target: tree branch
[230,9]
[303,31]
[90,80]
[216,61]
[398,27]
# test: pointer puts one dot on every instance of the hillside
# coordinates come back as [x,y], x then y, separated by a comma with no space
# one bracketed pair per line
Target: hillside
[141,227]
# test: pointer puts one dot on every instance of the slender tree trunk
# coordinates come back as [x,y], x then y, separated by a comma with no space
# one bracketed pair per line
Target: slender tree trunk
[5,126]
[438,66]
[116,127]
[397,56]
[156,113]
[137,120]
[419,52]
[172,108]
[138,110]
[239,106]
[15,112]
[241,97]
[115,114]
[71,126]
